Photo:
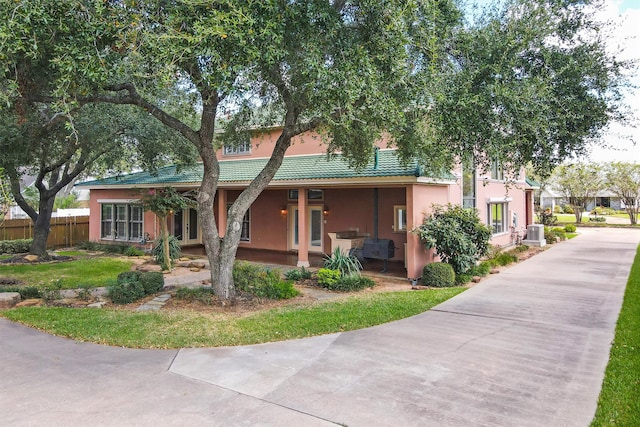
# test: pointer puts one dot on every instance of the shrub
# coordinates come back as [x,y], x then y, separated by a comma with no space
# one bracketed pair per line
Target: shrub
[504,258]
[129,276]
[558,231]
[26,292]
[439,275]
[203,295]
[261,282]
[328,277]
[354,282]
[152,281]
[557,209]
[133,251]
[18,246]
[344,263]
[481,269]
[51,292]
[462,279]
[568,209]
[457,234]
[550,237]
[125,293]
[570,228]
[597,219]
[103,247]
[174,250]
[299,274]
[547,218]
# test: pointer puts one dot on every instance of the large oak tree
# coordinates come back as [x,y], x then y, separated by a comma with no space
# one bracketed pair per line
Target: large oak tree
[521,85]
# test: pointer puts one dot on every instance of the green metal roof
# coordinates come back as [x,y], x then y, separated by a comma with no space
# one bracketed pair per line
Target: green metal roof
[294,168]
[531,182]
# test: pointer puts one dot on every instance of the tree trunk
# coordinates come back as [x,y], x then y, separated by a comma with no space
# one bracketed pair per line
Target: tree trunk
[164,235]
[577,211]
[42,227]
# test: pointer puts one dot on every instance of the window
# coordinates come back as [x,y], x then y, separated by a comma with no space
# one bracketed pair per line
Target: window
[399,218]
[242,148]
[312,194]
[497,217]
[245,228]
[497,171]
[468,185]
[121,221]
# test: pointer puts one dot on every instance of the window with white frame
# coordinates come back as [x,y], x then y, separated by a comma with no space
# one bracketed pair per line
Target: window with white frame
[242,148]
[121,221]
[245,228]
[399,218]
[468,184]
[497,171]
[497,217]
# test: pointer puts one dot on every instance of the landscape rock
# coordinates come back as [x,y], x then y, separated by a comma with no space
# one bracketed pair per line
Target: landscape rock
[9,299]
[494,271]
[476,279]
[98,304]
[31,258]
[32,302]
[194,269]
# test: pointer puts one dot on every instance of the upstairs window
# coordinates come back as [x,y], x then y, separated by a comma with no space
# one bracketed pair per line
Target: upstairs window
[497,171]
[242,148]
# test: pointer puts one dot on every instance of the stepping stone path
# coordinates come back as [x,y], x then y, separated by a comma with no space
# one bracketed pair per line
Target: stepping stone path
[154,304]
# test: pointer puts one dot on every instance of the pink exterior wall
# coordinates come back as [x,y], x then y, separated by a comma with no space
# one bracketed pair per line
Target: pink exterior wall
[516,198]
[151,225]
[262,144]
[420,201]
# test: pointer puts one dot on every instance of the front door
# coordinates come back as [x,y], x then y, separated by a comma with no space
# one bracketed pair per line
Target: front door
[185,226]
[314,227]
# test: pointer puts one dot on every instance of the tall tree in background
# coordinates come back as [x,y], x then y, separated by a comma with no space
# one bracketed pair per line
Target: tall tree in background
[578,183]
[534,82]
[623,180]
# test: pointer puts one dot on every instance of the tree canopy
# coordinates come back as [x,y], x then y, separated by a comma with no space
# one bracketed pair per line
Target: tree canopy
[623,180]
[523,84]
[579,184]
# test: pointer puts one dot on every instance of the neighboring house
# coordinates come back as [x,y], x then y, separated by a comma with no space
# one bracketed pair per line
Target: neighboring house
[312,197]
[605,198]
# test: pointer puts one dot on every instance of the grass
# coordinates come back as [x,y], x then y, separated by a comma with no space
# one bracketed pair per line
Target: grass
[89,272]
[72,253]
[619,402]
[176,329]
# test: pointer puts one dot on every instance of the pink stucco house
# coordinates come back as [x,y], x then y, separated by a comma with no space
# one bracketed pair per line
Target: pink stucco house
[314,203]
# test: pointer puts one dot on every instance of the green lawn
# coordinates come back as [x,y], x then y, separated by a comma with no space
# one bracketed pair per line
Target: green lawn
[619,402]
[90,272]
[184,328]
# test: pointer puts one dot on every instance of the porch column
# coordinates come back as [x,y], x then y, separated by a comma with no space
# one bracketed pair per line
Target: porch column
[417,256]
[222,211]
[303,232]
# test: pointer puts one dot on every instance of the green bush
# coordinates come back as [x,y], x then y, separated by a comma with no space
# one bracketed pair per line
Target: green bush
[26,292]
[344,263]
[457,234]
[481,269]
[203,295]
[547,218]
[133,251]
[261,282]
[152,281]
[519,248]
[328,277]
[597,219]
[129,276]
[125,293]
[570,228]
[568,209]
[557,209]
[550,237]
[299,274]
[174,250]
[462,279]
[19,246]
[354,282]
[115,248]
[558,231]
[439,275]
[503,258]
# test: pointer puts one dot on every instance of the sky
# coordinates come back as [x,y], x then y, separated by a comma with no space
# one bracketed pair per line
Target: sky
[625,39]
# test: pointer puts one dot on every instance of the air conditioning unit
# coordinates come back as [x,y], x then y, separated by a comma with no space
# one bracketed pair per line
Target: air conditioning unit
[535,235]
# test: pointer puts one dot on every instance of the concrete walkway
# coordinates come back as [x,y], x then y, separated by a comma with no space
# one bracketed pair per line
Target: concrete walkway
[527,347]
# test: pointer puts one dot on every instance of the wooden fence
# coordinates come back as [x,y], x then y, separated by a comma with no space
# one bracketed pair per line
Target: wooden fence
[65,232]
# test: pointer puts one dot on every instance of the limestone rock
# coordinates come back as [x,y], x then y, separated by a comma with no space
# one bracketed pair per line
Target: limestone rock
[476,279]
[494,271]
[33,302]
[31,258]
[9,299]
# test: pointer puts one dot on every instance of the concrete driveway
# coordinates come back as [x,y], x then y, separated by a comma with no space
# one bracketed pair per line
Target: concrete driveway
[527,347]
